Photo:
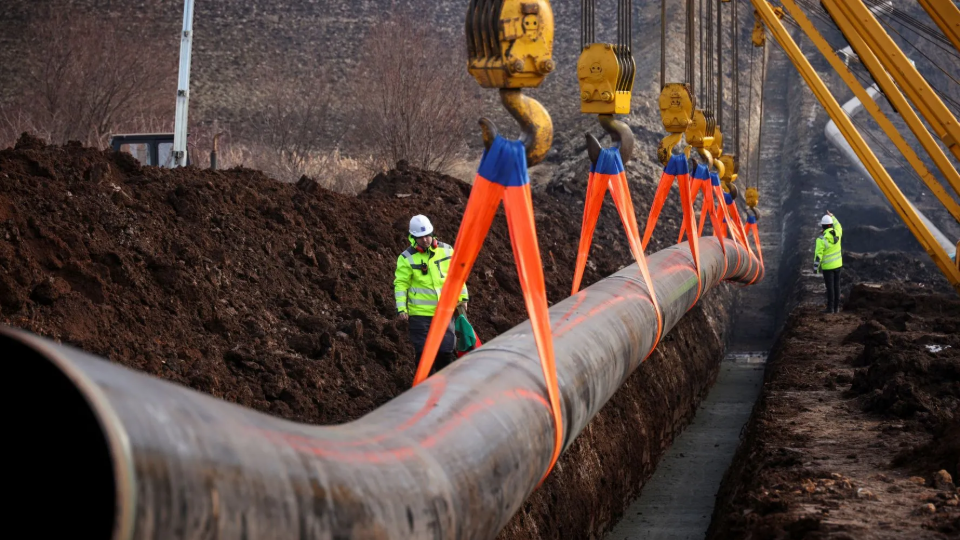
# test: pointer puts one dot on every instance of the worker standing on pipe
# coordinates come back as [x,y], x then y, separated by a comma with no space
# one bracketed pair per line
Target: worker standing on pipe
[828,258]
[421,271]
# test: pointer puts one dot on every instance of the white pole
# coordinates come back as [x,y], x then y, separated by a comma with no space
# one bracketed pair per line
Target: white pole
[183,87]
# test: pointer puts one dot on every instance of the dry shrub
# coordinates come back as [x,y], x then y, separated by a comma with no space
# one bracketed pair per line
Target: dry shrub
[416,100]
[88,80]
[332,170]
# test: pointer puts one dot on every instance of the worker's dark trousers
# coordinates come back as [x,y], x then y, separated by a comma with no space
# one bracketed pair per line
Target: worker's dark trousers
[419,326]
[832,279]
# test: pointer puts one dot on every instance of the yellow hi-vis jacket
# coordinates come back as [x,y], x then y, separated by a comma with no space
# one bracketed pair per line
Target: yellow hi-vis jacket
[828,256]
[419,279]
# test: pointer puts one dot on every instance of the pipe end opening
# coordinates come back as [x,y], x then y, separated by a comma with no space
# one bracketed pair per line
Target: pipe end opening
[65,462]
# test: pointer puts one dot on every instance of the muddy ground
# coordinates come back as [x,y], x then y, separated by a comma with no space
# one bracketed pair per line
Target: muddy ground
[254,291]
[279,297]
[857,431]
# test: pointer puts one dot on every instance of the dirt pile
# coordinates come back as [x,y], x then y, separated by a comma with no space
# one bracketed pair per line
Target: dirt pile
[917,271]
[911,370]
[270,295]
[856,432]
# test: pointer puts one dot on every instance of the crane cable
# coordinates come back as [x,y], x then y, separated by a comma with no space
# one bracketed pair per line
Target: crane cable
[703,63]
[763,86]
[663,43]
[708,10]
[719,64]
[689,63]
[821,13]
[736,83]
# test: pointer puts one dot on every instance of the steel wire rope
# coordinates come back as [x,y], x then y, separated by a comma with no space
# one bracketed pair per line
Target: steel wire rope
[719,64]
[909,21]
[735,36]
[932,61]
[820,13]
[663,43]
[862,127]
[708,10]
[702,59]
[748,168]
[689,61]
[763,87]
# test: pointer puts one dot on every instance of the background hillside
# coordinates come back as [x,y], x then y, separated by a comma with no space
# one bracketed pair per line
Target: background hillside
[247,52]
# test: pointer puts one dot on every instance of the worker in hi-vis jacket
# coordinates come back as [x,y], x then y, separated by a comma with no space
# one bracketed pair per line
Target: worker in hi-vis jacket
[421,271]
[828,259]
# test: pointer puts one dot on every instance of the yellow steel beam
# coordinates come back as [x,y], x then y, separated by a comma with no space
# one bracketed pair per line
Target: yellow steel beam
[942,121]
[871,106]
[897,99]
[889,188]
[947,16]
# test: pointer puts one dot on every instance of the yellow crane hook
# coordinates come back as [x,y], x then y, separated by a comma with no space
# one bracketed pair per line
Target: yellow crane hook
[512,50]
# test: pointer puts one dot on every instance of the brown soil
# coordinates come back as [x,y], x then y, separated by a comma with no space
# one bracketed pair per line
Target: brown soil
[279,297]
[856,431]
[270,295]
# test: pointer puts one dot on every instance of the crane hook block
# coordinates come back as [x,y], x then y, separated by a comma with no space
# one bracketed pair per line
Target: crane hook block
[702,123]
[667,148]
[731,168]
[536,126]
[512,48]
[716,145]
[676,107]
[752,197]
[606,73]
[759,37]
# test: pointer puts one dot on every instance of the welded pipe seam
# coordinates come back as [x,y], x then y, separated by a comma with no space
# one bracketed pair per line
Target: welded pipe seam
[454,457]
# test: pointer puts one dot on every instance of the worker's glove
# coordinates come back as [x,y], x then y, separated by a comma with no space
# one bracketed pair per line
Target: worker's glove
[403,316]
[816,269]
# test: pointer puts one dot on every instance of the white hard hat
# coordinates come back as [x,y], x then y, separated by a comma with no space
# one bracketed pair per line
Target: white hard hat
[826,220]
[420,226]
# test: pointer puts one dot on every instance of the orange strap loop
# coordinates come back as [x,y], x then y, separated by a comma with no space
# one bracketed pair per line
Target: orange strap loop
[502,176]
[608,174]
[677,169]
[752,226]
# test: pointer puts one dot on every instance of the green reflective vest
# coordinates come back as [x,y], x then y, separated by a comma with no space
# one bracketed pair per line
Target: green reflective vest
[828,256]
[419,279]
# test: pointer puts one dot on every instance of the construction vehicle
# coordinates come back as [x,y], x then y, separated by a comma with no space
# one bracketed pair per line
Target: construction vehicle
[153,149]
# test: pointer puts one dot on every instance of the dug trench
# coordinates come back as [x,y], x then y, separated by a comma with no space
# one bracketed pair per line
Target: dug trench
[279,297]
[857,430]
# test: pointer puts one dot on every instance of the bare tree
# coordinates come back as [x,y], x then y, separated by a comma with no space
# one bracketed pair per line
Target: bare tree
[88,79]
[291,118]
[416,101]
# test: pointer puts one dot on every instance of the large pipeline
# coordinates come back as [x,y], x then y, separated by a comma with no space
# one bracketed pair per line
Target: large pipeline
[121,454]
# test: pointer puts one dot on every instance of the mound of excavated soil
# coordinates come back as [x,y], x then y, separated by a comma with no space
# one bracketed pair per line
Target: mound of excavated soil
[886,266]
[274,296]
[856,432]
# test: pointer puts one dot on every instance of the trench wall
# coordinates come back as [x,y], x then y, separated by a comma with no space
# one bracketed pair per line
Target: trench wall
[606,467]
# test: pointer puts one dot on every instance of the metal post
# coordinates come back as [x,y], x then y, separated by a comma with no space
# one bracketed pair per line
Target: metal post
[183,87]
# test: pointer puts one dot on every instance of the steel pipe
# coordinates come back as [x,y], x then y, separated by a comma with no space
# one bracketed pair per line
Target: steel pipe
[454,457]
